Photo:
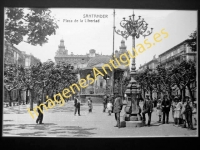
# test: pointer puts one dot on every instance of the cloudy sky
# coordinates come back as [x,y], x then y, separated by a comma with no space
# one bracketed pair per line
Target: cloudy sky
[80,37]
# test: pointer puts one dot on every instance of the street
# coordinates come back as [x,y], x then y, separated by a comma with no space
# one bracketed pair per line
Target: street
[61,122]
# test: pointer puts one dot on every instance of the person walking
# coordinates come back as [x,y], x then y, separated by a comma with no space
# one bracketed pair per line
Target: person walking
[90,105]
[166,109]
[77,104]
[147,108]
[109,106]
[41,114]
[105,99]
[117,109]
[159,110]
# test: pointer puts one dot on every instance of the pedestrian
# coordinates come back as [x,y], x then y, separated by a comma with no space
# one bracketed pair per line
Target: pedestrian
[90,105]
[188,114]
[40,105]
[105,98]
[117,109]
[159,110]
[183,113]
[109,106]
[147,108]
[177,112]
[165,109]
[77,104]
[194,114]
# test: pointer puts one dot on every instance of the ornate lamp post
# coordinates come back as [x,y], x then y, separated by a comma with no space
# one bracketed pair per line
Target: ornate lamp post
[133,28]
[106,77]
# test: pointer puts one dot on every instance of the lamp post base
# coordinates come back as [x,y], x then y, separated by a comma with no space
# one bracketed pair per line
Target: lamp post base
[134,123]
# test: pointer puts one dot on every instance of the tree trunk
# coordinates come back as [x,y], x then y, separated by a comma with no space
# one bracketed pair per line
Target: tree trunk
[183,98]
[181,93]
[27,97]
[143,93]
[31,99]
[190,92]
[20,98]
[10,101]
[151,94]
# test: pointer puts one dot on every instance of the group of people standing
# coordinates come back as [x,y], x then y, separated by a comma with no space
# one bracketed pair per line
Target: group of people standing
[114,105]
[183,112]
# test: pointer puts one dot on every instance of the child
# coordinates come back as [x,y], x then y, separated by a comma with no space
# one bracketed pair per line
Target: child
[89,105]
[109,106]
[159,110]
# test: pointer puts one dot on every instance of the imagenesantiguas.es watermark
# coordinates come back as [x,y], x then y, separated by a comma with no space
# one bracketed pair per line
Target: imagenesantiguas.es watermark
[82,83]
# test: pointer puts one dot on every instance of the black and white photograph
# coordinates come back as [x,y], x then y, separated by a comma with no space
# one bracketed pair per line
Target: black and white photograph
[99,72]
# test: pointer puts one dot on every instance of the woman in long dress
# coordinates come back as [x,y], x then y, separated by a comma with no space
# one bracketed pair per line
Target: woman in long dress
[177,112]
[159,110]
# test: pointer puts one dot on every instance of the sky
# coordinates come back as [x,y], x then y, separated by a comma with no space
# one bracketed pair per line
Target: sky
[80,37]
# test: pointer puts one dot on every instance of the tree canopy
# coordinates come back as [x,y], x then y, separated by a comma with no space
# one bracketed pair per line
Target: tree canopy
[30,25]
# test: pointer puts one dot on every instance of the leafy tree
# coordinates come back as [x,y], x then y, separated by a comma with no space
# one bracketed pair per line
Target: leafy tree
[184,76]
[10,79]
[32,24]
[165,81]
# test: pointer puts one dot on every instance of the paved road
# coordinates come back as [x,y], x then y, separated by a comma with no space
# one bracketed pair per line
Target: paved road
[61,122]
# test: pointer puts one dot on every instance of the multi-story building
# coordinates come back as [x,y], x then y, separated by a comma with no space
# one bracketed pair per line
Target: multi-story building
[78,61]
[174,55]
[12,55]
[152,64]
[86,62]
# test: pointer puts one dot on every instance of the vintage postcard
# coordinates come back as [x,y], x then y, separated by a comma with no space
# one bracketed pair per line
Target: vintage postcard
[85,72]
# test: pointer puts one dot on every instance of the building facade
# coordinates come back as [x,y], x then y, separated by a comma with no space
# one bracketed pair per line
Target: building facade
[12,55]
[85,64]
[78,61]
[174,55]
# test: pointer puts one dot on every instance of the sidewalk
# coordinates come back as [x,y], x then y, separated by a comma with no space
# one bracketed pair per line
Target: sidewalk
[61,122]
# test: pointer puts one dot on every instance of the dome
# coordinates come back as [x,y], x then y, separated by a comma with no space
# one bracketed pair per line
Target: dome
[98,60]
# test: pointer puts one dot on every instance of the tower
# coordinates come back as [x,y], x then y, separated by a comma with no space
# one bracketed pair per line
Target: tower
[61,48]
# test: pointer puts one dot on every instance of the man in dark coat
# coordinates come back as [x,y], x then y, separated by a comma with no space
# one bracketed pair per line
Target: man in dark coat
[188,114]
[40,116]
[166,104]
[147,108]
[117,109]
[77,104]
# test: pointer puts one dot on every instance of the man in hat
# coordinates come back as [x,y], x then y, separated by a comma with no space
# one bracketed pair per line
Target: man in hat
[39,109]
[77,104]
[117,109]
[147,108]
[166,104]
